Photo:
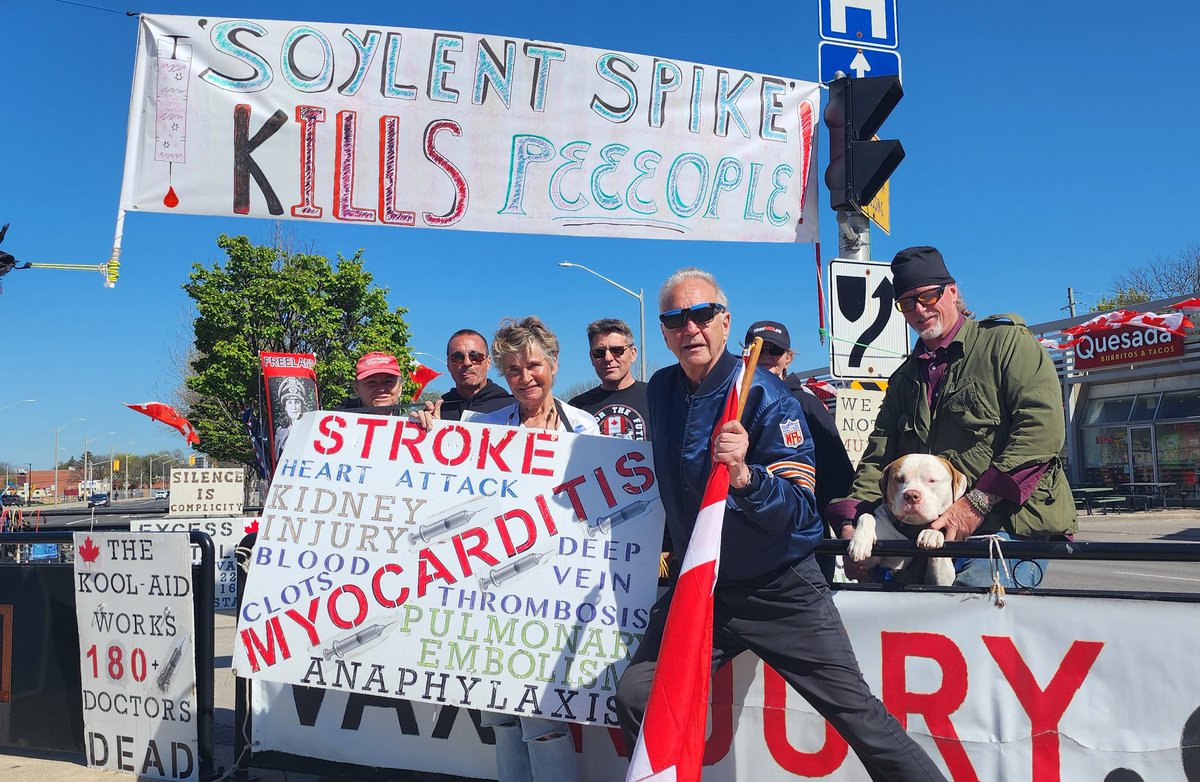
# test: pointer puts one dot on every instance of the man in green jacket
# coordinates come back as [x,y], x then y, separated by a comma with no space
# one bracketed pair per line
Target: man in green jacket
[985,395]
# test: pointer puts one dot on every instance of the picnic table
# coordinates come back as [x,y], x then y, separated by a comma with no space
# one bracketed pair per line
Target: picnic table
[1150,490]
[1089,495]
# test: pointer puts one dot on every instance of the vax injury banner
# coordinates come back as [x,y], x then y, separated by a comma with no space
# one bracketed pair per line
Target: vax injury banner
[492,567]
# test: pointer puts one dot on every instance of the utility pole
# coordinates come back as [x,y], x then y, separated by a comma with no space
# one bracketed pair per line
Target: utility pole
[1071,301]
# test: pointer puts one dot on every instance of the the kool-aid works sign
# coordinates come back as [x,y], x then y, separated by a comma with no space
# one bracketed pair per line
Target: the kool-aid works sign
[1125,345]
[368,124]
[485,567]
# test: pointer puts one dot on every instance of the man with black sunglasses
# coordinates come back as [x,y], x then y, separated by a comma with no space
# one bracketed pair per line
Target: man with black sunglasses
[985,395]
[468,358]
[619,402]
[770,597]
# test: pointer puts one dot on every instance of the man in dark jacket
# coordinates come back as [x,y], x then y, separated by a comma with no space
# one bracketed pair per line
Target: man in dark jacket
[770,596]
[468,358]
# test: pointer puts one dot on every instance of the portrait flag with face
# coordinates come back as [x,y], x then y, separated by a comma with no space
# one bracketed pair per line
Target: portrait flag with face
[671,744]
[291,387]
[169,416]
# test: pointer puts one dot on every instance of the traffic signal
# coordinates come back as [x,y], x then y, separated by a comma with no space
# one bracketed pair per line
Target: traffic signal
[192,460]
[116,467]
[858,166]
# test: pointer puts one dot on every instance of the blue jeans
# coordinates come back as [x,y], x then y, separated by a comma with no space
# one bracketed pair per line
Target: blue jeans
[530,749]
[1022,573]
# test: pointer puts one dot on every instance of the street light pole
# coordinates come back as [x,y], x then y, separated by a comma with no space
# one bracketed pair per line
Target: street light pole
[56,431]
[14,404]
[640,296]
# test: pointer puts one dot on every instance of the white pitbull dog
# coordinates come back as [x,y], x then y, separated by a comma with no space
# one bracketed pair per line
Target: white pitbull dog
[916,488]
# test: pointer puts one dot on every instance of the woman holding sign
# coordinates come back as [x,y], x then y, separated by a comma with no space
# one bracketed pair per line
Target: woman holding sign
[529,749]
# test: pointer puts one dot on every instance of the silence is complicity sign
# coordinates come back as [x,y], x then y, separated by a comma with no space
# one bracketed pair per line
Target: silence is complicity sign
[478,566]
[391,126]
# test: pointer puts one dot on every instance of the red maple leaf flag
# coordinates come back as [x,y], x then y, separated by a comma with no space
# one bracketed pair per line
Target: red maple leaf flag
[251,528]
[421,376]
[89,551]
[671,744]
[169,416]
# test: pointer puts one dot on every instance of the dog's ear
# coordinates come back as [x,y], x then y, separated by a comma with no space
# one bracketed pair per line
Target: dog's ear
[959,480]
[886,477]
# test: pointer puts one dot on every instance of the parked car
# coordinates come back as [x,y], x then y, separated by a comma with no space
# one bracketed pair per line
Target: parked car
[99,500]
[12,499]
[162,494]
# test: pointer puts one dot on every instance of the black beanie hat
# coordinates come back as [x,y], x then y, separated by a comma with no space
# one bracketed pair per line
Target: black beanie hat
[917,266]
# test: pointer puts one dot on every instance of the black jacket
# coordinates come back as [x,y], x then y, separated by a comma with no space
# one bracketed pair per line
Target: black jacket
[490,397]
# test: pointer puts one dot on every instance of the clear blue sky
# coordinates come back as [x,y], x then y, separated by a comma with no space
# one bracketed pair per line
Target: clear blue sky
[1048,145]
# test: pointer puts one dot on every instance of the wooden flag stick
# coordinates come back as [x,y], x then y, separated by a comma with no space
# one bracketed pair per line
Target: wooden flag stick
[755,349]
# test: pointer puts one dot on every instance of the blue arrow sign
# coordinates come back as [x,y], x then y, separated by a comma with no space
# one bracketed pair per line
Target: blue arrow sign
[856,61]
[867,22]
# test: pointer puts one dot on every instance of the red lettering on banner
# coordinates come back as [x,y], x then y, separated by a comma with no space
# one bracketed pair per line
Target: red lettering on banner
[547,519]
[605,489]
[478,550]
[820,763]
[506,538]
[935,707]
[645,473]
[377,586]
[720,717]
[532,452]
[369,426]
[330,427]
[251,641]
[464,446]
[1044,707]
[389,153]
[458,206]
[344,144]
[308,622]
[398,439]
[496,451]
[570,488]
[430,560]
[360,603]
[308,117]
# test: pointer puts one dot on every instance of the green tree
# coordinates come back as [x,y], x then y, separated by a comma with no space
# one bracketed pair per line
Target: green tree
[263,298]
[1121,298]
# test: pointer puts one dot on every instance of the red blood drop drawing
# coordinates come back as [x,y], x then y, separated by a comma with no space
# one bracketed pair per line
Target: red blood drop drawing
[170,199]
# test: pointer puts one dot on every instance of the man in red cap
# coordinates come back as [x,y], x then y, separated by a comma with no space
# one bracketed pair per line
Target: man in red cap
[378,380]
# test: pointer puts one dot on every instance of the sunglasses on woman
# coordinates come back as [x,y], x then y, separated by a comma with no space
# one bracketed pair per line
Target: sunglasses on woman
[616,350]
[700,314]
[927,298]
[458,356]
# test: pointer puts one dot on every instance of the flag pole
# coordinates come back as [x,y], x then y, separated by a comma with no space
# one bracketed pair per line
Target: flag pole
[747,379]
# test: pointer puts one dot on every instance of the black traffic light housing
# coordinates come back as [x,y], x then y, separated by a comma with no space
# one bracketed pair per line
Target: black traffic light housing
[858,166]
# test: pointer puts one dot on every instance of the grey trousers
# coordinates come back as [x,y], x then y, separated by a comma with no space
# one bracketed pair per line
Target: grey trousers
[789,621]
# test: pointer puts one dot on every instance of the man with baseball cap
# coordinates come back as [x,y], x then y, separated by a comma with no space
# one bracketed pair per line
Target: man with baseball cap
[834,469]
[378,380]
[985,395]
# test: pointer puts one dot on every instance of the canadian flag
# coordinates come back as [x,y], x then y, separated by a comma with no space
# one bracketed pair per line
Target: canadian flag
[671,744]
[421,375]
[169,416]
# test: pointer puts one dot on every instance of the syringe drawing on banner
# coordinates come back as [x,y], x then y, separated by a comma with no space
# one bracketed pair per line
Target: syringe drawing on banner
[603,524]
[359,640]
[521,564]
[163,680]
[445,524]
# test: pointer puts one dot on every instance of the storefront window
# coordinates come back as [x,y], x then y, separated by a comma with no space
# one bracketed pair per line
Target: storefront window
[1180,404]
[1105,455]
[1144,407]
[1108,411]
[1179,454]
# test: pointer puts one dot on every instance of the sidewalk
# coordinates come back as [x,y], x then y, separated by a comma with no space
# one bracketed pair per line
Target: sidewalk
[1178,525]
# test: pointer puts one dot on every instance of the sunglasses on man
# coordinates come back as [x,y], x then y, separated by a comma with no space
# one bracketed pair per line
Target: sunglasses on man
[616,350]
[459,357]
[700,314]
[772,350]
[926,298]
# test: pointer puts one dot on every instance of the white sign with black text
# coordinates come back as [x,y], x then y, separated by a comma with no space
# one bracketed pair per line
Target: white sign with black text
[857,409]
[225,534]
[133,605]
[868,336]
[207,491]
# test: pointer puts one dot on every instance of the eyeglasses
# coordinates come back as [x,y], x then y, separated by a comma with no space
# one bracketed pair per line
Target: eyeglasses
[773,350]
[616,350]
[700,314]
[459,357]
[926,298]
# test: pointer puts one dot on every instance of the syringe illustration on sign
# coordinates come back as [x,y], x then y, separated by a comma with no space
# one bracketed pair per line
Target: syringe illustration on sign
[163,680]
[521,564]
[604,524]
[454,518]
[358,641]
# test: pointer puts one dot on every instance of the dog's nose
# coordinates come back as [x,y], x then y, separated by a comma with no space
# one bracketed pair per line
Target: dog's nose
[912,496]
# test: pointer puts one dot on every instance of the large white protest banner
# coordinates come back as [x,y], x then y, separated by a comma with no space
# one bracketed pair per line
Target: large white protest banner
[368,124]
[487,567]
[1047,689]
[133,602]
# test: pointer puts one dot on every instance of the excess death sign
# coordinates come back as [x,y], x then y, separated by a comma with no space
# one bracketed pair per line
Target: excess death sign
[373,125]
[488,567]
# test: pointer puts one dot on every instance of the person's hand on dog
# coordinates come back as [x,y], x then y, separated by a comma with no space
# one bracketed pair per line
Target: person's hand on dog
[729,448]
[959,521]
